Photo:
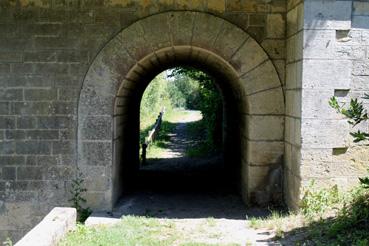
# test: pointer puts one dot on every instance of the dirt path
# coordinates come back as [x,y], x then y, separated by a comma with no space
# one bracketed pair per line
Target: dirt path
[191,193]
[174,157]
[180,140]
[203,218]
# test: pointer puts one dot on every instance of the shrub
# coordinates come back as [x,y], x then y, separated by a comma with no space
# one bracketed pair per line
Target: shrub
[316,202]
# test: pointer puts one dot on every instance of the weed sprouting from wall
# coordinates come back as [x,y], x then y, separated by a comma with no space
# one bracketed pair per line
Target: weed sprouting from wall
[78,191]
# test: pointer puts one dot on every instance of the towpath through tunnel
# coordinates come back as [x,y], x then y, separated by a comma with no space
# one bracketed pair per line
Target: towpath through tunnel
[178,162]
[190,192]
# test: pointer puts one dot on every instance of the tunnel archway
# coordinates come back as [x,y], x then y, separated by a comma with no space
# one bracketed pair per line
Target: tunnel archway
[108,110]
[127,104]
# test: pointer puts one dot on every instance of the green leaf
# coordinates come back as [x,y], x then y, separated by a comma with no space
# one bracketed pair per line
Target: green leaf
[334,104]
[359,136]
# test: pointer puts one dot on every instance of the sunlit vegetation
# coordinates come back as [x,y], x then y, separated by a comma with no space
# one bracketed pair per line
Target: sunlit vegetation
[326,217]
[135,230]
[177,89]
[202,95]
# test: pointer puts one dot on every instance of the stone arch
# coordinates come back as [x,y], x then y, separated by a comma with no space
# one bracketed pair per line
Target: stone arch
[124,67]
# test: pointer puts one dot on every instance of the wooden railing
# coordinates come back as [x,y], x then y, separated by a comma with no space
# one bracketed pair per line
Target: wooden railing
[152,136]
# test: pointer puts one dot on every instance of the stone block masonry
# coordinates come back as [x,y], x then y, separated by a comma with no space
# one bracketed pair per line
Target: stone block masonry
[52,228]
[306,51]
[45,52]
[328,58]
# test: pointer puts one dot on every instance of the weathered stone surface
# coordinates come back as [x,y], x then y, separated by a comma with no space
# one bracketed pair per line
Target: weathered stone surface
[7,122]
[282,68]
[205,30]
[262,78]
[360,22]
[229,40]
[324,74]
[97,128]
[99,153]
[48,122]
[271,153]
[33,148]
[360,68]
[216,5]
[327,14]
[291,22]
[8,173]
[324,133]
[361,8]
[11,95]
[29,173]
[266,127]
[275,26]
[15,134]
[246,59]
[316,105]
[12,160]
[293,98]
[275,48]
[52,228]
[40,94]
[267,102]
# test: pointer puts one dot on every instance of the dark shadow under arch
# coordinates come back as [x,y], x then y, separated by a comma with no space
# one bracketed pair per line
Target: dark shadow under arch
[128,101]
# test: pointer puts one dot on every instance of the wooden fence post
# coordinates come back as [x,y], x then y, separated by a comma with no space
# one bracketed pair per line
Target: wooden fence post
[152,136]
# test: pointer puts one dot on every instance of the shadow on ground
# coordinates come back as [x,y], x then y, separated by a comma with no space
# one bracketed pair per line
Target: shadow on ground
[179,187]
[176,185]
[184,188]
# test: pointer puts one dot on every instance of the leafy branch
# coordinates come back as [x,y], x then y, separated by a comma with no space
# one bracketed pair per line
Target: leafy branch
[355,112]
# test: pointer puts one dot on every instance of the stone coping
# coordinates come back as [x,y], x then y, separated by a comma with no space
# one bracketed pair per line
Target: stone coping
[51,229]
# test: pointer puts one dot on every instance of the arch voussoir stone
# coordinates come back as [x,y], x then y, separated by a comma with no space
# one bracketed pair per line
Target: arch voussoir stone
[156,32]
[181,27]
[249,56]
[229,40]
[134,42]
[206,30]
[269,102]
[261,78]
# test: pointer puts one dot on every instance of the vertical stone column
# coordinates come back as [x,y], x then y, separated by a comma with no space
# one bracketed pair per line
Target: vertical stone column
[294,46]
[326,72]
[329,53]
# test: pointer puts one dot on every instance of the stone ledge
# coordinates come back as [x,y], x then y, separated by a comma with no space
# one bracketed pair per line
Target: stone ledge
[51,229]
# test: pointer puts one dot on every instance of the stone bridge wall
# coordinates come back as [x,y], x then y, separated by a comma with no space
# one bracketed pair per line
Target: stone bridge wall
[327,55]
[47,47]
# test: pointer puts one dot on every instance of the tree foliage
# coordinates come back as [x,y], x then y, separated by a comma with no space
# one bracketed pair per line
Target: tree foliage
[187,88]
[356,113]
[154,99]
[201,93]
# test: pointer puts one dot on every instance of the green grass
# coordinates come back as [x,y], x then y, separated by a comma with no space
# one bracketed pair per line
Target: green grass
[195,130]
[327,217]
[203,147]
[132,231]
[278,222]
[156,148]
[346,226]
